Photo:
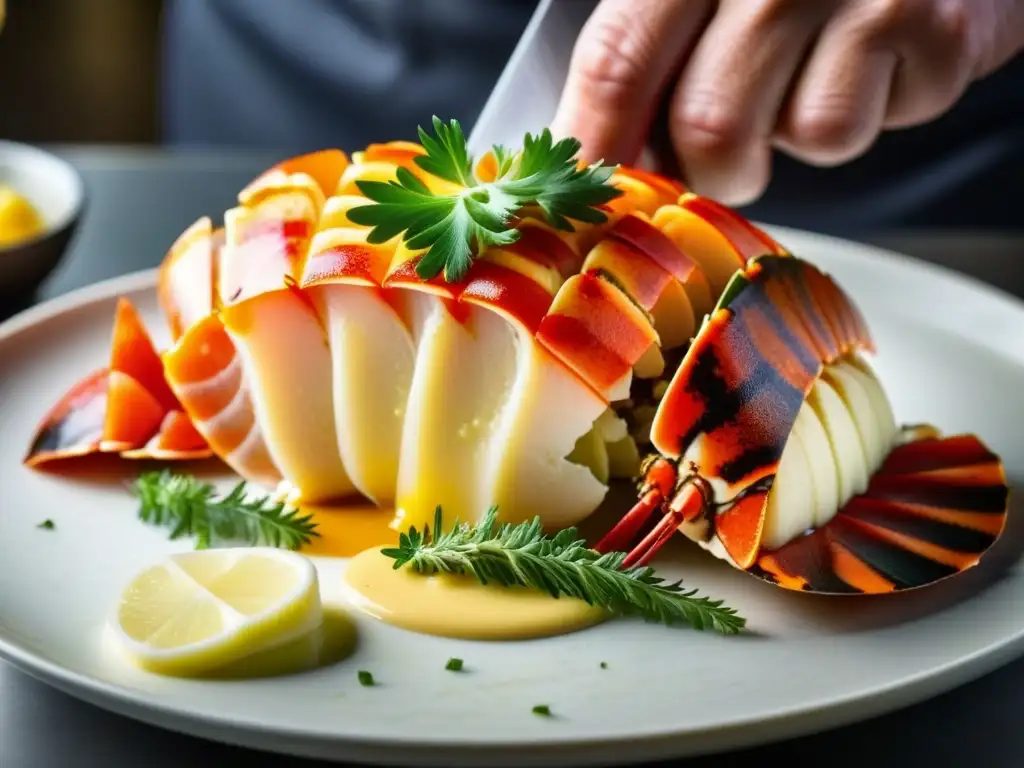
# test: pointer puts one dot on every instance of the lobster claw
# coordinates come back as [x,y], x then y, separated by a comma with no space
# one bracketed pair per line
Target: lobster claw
[663,489]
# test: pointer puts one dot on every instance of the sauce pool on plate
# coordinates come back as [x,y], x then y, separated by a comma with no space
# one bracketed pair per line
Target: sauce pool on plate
[459,606]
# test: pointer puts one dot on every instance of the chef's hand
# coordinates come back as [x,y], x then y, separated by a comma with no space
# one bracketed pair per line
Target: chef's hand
[818,79]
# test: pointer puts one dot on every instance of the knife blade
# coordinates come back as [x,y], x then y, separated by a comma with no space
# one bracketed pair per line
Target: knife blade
[526,95]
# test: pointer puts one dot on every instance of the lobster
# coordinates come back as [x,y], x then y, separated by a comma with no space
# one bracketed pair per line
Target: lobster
[311,359]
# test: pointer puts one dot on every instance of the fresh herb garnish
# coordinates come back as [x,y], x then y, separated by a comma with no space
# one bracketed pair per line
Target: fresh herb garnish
[454,665]
[543,710]
[189,507]
[543,181]
[561,565]
[365,678]
[47,525]
[604,665]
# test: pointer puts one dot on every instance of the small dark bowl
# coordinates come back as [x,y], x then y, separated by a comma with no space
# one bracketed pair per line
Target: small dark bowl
[56,190]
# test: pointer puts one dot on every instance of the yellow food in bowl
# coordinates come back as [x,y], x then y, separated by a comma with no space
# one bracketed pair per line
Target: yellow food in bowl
[19,220]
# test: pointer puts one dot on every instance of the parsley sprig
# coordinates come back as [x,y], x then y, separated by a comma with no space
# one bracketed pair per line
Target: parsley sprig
[561,565]
[543,181]
[190,508]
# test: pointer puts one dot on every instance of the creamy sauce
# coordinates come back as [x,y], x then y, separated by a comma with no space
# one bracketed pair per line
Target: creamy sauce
[345,531]
[459,606]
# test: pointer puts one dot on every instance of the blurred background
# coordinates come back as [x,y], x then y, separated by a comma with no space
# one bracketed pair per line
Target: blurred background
[81,71]
[88,73]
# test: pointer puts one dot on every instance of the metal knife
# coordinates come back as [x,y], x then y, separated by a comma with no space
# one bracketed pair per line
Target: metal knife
[526,95]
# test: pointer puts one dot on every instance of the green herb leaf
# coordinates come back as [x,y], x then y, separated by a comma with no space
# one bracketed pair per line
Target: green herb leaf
[365,678]
[47,525]
[542,181]
[454,665]
[189,508]
[561,565]
[543,710]
[447,156]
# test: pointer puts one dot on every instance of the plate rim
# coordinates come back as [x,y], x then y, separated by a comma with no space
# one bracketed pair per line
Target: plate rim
[802,719]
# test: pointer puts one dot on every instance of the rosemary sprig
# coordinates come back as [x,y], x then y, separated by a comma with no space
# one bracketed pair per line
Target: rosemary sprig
[561,565]
[189,508]
[542,181]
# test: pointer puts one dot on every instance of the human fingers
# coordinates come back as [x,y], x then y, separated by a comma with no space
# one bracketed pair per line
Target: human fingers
[625,56]
[732,88]
[938,43]
[838,105]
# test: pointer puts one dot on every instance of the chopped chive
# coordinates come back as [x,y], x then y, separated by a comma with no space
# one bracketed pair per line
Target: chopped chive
[454,665]
[47,524]
[604,665]
[365,678]
[543,710]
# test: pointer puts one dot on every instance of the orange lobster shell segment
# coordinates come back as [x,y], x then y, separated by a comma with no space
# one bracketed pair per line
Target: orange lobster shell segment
[133,354]
[74,425]
[324,167]
[642,278]
[402,153]
[176,438]
[735,397]
[932,510]
[486,168]
[380,162]
[402,274]
[133,414]
[557,252]
[640,193]
[647,239]
[119,409]
[739,528]
[748,240]
[528,261]
[344,256]
[186,287]
[205,351]
[509,293]
[669,190]
[598,332]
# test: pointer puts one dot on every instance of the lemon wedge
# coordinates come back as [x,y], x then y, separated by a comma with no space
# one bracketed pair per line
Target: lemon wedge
[210,611]
[19,220]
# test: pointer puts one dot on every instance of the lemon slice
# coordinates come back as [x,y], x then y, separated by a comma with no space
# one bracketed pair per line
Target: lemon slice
[195,613]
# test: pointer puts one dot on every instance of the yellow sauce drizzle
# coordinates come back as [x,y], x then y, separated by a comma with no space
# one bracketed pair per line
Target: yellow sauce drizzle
[345,531]
[459,606]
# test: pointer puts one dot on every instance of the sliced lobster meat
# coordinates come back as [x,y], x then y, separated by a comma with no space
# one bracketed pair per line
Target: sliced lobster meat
[313,360]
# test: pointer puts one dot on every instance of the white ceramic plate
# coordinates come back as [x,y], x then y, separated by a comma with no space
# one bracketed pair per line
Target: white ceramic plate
[950,352]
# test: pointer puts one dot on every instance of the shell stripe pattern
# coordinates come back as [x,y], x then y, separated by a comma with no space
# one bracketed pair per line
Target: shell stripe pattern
[125,408]
[931,511]
[734,400]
